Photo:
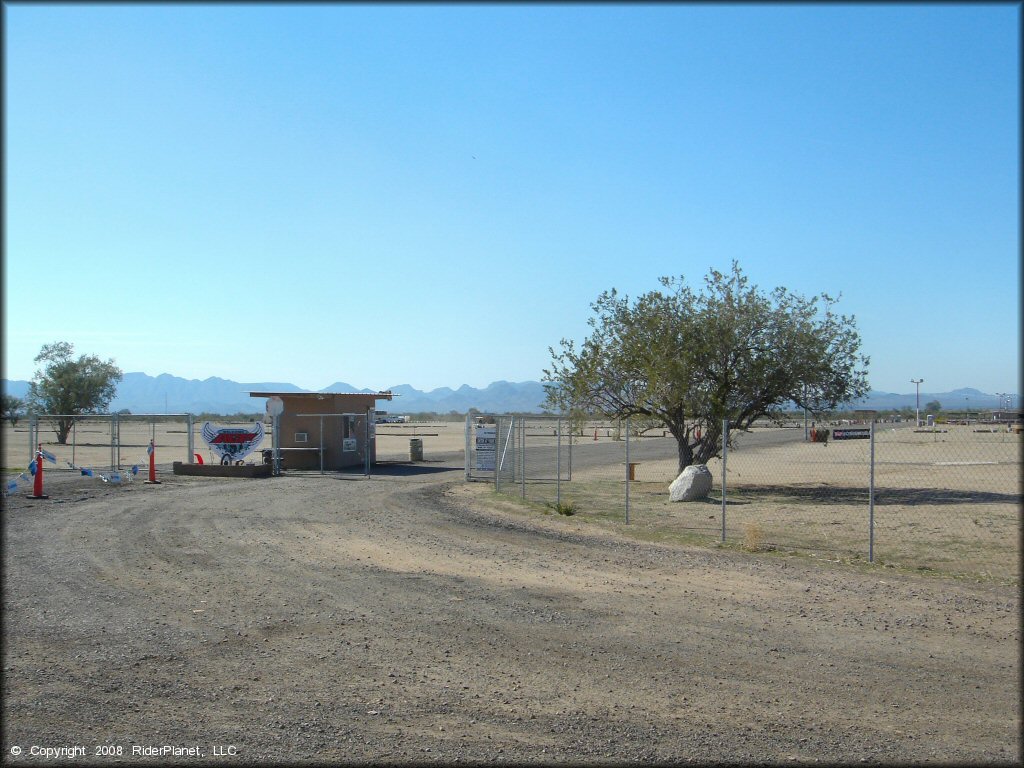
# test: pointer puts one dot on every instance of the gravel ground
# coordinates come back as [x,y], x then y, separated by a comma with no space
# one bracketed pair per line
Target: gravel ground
[410,617]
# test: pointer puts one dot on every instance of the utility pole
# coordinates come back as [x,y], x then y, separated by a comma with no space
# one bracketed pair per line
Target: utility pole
[917,384]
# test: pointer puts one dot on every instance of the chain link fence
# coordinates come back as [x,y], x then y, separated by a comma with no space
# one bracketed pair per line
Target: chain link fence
[944,499]
[105,444]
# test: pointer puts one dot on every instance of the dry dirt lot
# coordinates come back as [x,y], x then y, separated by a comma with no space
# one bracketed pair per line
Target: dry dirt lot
[410,617]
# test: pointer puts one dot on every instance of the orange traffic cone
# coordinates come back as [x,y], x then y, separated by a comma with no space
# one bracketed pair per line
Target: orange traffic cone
[152,465]
[37,485]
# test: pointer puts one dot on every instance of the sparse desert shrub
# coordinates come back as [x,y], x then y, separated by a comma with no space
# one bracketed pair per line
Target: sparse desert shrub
[752,537]
[567,508]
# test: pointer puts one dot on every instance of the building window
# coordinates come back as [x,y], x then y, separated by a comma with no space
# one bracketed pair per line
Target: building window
[301,437]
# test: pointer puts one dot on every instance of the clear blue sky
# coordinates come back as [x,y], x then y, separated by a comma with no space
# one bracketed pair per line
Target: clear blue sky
[433,195]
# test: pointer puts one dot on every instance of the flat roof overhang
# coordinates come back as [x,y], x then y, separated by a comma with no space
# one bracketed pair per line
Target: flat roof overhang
[321,395]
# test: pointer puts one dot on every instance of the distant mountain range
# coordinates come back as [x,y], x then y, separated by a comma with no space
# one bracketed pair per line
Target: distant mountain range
[141,393]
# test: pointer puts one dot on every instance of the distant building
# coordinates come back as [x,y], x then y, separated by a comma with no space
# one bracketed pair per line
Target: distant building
[326,430]
[1007,416]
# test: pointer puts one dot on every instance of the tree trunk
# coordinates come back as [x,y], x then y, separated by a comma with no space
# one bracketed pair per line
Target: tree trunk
[63,430]
[707,449]
[682,445]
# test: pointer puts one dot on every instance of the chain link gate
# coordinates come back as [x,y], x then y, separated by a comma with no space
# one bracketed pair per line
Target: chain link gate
[529,456]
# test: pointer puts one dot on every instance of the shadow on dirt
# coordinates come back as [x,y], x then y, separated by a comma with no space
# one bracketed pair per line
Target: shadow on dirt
[380,469]
[409,469]
[748,494]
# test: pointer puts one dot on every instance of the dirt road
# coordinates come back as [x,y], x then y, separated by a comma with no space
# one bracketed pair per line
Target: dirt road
[411,617]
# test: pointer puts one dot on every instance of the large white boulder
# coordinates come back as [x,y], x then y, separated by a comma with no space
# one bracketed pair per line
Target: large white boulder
[694,482]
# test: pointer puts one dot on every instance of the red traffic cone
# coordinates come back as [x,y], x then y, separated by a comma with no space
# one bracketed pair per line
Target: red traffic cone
[37,486]
[152,465]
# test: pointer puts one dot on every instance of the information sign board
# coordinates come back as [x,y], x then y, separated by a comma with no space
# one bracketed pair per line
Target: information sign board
[486,448]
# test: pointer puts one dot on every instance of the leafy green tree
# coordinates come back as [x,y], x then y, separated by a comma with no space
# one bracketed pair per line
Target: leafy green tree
[69,387]
[932,406]
[13,408]
[691,359]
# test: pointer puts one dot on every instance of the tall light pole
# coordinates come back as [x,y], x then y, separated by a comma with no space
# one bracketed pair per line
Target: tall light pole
[917,384]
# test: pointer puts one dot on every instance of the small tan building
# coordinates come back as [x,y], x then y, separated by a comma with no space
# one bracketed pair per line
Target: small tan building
[326,430]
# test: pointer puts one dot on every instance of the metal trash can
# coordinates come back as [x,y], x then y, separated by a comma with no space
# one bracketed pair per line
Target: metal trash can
[415,449]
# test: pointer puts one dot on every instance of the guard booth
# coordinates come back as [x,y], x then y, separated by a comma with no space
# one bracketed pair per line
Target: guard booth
[326,431]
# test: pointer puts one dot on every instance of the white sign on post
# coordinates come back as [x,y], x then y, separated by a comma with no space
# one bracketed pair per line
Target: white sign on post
[486,448]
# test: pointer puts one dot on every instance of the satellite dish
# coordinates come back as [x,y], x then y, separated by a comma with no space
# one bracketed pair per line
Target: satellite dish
[275,406]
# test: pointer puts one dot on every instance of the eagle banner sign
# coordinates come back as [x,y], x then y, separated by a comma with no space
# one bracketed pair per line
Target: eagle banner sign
[232,444]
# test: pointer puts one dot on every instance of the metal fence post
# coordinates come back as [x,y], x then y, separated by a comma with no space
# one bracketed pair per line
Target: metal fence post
[191,446]
[627,471]
[497,458]
[522,455]
[369,415]
[33,429]
[466,454]
[513,434]
[572,439]
[275,434]
[558,467]
[725,457]
[871,497]
[74,438]
[807,434]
